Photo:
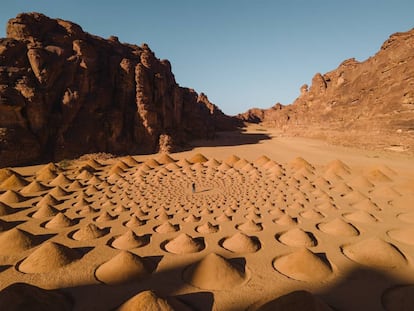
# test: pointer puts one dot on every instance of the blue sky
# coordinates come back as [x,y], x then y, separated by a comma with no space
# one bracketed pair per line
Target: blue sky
[241,53]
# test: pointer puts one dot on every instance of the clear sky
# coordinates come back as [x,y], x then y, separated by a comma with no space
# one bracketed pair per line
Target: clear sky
[241,53]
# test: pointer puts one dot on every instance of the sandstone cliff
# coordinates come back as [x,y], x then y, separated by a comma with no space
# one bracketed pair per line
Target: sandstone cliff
[64,92]
[368,104]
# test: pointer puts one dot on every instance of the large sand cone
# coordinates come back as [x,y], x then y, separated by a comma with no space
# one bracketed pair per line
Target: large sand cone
[61,180]
[129,240]
[303,265]
[15,241]
[145,301]
[59,221]
[48,257]
[298,238]
[296,301]
[11,196]
[241,243]
[14,182]
[184,244]
[45,211]
[214,272]
[34,187]
[122,268]
[26,297]
[375,252]
[338,227]
[89,232]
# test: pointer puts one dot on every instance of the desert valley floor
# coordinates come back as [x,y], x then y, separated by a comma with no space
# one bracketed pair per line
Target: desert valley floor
[269,216]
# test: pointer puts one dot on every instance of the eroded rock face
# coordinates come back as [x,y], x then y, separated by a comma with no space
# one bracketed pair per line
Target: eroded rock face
[369,103]
[64,92]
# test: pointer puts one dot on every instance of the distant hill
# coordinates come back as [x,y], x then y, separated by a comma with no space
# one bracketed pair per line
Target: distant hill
[367,104]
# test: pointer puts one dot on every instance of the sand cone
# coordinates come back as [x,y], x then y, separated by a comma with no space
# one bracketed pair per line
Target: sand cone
[184,244]
[241,243]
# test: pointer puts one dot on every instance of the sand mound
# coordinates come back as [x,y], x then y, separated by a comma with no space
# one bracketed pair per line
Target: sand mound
[223,218]
[299,163]
[214,272]
[296,301]
[105,216]
[48,199]
[48,257]
[59,221]
[90,232]
[285,220]
[361,216]
[26,297]
[61,180]
[250,226]
[402,235]
[167,227]
[34,187]
[184,244]
[15,241]
[241,243]
[231,160]
[361,182]
[75,185]
[45,211]
[207,228]
[14,182]
[11,196]
[129,161]
[260,161]
[312,214]
[5,173]
[399,298]
[145,301]
[124,267]
[191,218]
[338,227]
[375,252]
[86,210]
[129,240]
[376,175]
[303,265]
[366,205]
[338,167]
[298,238]
[134,222]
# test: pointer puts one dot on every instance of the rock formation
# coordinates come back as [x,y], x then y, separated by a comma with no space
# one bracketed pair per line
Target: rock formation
[368,104]
[65,92]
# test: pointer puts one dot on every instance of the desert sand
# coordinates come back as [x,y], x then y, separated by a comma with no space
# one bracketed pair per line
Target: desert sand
[274,223]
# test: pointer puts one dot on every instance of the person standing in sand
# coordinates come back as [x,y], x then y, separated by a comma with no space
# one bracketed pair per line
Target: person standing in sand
[193,187]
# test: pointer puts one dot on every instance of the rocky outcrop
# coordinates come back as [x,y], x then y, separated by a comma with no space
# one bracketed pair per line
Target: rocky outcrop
[366,104]
[64,92]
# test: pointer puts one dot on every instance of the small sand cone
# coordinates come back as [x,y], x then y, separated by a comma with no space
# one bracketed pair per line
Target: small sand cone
[59,221]
[198,158]
[129,240]
[90,232]
[184,244]
[34,187]
[11,197]
[134,222]
[231,160]
[361,216]
[14,182]
[45,211]
[60,180]
[214,273]
[48,257]
[241,243]
[191,218]
[207,228]
[124,267]
[250,226]
[15,241]
[303,265]
[285,220]
[146,301]
[297,238]
[167,227]
[312,214]
[105,216]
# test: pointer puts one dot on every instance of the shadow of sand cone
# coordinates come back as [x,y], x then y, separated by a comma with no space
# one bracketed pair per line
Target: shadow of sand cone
[48,257]
[214,272]
[6,209]
[122,268]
